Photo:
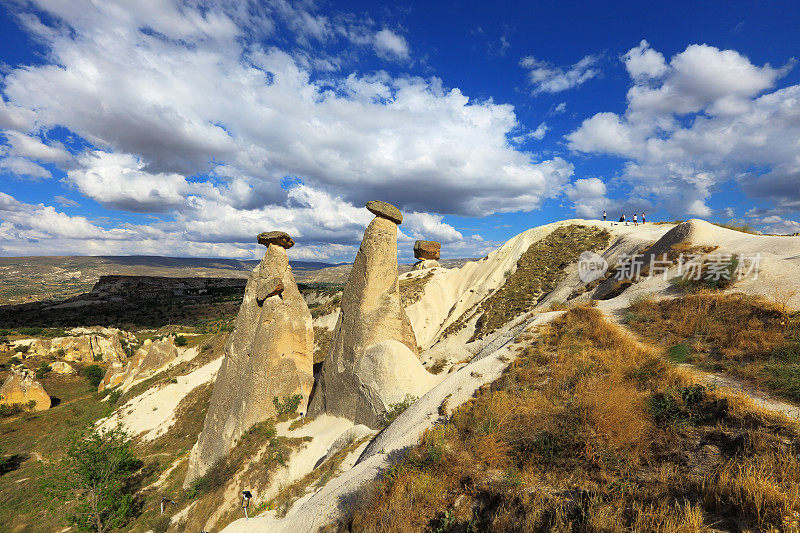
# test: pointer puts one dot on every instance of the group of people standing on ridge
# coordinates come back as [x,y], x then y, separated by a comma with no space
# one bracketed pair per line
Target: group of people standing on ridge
[625,220]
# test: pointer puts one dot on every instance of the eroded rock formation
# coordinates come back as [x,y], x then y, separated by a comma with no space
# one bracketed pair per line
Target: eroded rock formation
[21,388]
[372,361]
[268,355]
[150,358]
[87,346]
[427,249]
[60,367]
[428,253]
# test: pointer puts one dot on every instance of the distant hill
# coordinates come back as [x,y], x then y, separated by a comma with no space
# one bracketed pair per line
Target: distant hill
[30,279]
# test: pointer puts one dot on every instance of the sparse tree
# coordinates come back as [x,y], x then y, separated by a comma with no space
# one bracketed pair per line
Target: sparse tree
[98,471]
[94,374]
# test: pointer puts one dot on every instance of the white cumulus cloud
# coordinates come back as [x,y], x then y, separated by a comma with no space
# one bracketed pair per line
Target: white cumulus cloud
[548,78]
[705,117]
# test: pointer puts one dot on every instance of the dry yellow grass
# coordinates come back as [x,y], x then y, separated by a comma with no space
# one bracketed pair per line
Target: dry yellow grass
[590,431]
[743,335]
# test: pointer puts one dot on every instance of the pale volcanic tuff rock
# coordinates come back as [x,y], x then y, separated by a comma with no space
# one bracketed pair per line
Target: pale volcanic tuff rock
[372,361]
[60,367]
[426,264]
[149,359]
[85,348]
[21,388]
[269,354]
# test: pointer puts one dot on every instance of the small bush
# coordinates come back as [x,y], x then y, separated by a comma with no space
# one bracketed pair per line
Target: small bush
[217,476]
[180,340]
[93,374]
[43,369]
[396,409]
[114,396]
[23,348]
[707,278]
[679,353]
[62,352]
[679,407]
[10,409]
[15,361]
[289,404]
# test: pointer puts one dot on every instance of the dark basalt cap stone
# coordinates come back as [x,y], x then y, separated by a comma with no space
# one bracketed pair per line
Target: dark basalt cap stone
[427,249]
[281,238]
[385,210]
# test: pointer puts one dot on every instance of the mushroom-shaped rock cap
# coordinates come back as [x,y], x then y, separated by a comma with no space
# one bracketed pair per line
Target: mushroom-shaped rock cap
[427,249]
[281,238]
[385,210]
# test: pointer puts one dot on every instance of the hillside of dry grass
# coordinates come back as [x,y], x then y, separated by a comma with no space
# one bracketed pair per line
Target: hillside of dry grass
[743,335]
[590,431]
[539,270]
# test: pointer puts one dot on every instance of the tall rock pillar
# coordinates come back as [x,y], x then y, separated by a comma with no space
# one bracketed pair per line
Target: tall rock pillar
[269,354]
[372,361]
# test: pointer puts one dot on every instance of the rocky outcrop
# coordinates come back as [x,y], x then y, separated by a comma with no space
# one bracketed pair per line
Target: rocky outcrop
[385,210]
[426,264]
[427,250]
[115,375]
[84,348]
[268,355]
[150,358]
[281,238]
[428,253]
[372,361]
[21,388]
[60,367]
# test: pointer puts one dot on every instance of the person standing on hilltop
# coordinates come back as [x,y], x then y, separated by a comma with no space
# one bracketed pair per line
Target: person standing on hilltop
[643,217]
[622,219]
[604,215]
[634,220]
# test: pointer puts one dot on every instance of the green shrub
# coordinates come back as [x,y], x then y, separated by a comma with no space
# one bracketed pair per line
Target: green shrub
[679,407]
[98,472]
[12,409]
[707,279]
[94,374]
[180,340]
[396,409]
[29,331]
[679,353]
[217,476]
[23,348]
[15,361]
[114,396]
[62,352]
[43,369]
[289,404]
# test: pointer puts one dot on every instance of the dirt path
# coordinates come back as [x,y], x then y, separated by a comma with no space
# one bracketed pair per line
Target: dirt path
[759,397]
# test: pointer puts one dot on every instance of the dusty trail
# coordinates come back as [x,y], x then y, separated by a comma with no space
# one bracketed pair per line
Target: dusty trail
[758,397]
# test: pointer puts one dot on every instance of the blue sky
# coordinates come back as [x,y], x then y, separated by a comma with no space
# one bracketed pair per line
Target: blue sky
[184,129]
